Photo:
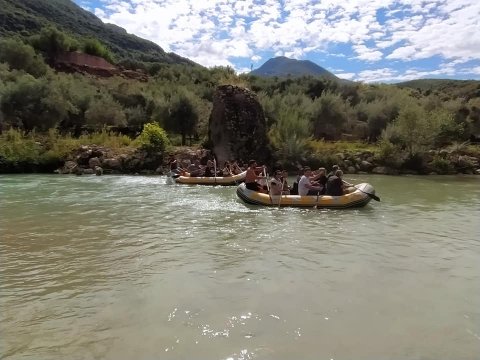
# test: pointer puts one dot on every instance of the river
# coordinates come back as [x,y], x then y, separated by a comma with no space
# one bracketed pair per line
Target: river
[128,267]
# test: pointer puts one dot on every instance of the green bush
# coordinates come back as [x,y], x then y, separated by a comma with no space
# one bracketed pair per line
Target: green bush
[94,47]
[21,57]
[441,165]
[389,154]
[105,111]
[153,138]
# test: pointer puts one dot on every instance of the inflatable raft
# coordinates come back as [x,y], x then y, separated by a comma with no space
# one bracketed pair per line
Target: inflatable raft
[201,180]
[360,197]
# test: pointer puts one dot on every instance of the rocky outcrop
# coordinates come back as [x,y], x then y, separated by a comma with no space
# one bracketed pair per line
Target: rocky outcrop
[237,127]
[92,159]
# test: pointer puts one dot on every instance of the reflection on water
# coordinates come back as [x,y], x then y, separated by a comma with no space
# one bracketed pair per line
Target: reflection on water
[130,267]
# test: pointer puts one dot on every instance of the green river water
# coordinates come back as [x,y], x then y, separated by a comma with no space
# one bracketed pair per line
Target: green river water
[128,267]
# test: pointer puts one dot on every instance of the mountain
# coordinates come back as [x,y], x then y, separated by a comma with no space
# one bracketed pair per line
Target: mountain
[27,17]
[282,66]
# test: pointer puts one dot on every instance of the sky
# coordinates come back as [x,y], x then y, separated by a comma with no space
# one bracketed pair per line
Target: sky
[360,40]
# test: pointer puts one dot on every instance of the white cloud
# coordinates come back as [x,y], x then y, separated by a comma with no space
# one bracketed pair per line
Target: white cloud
[347,76]
[219,32]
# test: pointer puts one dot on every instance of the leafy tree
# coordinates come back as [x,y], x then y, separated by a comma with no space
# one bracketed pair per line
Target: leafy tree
[33,103]
[21,56]
[105,111]
[180,116]
[328,113]
[290,136]
[52,41]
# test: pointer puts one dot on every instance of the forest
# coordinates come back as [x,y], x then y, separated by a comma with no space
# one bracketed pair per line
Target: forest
[306,116]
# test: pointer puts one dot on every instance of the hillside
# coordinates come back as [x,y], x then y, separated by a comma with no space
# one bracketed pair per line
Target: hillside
[455,88]
[282,66]
[27,17]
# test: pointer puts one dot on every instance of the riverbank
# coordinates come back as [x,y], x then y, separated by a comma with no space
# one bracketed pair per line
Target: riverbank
[107,153]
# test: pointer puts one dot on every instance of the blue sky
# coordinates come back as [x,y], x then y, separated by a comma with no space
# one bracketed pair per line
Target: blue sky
[362,40]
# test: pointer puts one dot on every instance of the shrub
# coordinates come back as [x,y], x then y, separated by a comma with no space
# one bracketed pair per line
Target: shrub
[441,165]
[389,154]
[153,138]
[94,47]
[22,57]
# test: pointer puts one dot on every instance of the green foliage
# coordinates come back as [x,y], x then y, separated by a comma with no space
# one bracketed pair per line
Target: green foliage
[21,57]
[105,111]
[153,138]
[179,115]
[16,146]
[94,47]
[441,165]
[31,103]
[290,136]
[52,41]
[389,154]
[25,152]
[328,114]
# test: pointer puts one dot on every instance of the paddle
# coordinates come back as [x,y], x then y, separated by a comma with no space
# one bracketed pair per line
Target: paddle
[268,187]
[214,170]
[281,192]
[316,203]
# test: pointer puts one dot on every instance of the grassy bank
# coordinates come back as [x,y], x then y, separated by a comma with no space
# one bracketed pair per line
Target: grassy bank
[36,152]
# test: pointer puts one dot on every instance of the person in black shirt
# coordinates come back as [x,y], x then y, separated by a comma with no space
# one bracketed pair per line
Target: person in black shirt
[335,184]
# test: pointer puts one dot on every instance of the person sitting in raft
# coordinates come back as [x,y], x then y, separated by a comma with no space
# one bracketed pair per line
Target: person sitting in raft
[306,186]
[235,168]
[209,171]
[276,183]
[335,185]
[172,162]
[195,169]
[252,176]
[286,188]
[226,169]
[334,169]
[321,178]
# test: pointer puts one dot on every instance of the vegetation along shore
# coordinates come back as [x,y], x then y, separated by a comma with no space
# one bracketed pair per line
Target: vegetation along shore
[74,103]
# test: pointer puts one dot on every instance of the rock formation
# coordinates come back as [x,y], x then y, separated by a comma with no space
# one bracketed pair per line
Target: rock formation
[237,128]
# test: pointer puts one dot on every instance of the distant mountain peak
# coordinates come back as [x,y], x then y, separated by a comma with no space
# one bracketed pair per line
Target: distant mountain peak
[283,66]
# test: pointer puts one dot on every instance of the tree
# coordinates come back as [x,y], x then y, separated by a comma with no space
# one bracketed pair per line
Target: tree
[31,103]
[21,56]
[328,114]
[290,136]
[52,41]
[105,111]
[180,116]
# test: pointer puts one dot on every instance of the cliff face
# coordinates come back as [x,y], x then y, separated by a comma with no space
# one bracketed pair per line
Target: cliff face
[237,128]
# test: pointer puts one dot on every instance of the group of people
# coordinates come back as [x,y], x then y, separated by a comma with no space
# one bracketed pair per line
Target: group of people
[307,183]
[196,169]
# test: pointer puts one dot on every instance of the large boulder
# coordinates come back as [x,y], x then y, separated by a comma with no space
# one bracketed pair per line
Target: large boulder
[237,127]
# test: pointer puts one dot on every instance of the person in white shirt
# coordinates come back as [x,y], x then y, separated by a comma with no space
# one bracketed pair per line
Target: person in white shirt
[306,186]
